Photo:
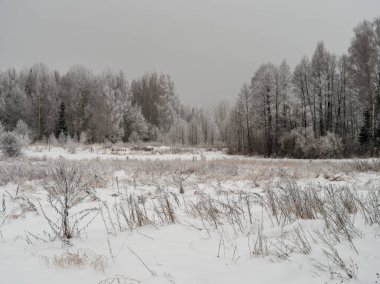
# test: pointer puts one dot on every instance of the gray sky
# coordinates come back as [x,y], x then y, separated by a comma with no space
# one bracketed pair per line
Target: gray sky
[210,47]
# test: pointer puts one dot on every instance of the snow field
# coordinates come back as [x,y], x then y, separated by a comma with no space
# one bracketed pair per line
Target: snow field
[244,220]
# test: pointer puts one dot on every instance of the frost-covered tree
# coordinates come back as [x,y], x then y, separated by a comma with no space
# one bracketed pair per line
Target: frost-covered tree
[108,107]
[301,89]
[319,83]
[245,108]
[221,112]
[42,90]
[195,129]
[135,126]
[235,130]
[282,102]
[155,94]
[364,56]
[179,132]
[77,91]
[208,126]
[12,99]
[264,88]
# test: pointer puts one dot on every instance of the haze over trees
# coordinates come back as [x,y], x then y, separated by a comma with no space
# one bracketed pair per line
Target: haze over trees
[328,106]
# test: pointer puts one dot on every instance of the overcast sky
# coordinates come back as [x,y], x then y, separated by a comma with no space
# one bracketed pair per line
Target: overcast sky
[210,47]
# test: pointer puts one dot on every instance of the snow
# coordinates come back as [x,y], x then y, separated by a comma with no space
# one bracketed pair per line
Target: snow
[183,252]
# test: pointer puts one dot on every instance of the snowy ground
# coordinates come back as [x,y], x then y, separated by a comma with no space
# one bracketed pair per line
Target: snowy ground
[172,215]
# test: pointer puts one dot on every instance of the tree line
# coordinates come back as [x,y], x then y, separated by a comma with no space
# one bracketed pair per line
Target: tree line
[96,108]
[328,106]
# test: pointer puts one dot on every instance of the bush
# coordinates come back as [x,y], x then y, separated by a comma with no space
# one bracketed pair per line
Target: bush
[290,145]
[71,145]
[23,132]
[62,139]
[52,140]
[10,144]
[134,137]
[83,138]
[330,146]
[296,145]
[66,190]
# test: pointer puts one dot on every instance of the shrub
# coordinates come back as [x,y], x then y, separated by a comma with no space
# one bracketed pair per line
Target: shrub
[52,140]
[66,190]
[134,137]
[71,145]
[83,138]
[296,145]
[23,132]
[293,144]
[62,139]
[330,146]
[10,144]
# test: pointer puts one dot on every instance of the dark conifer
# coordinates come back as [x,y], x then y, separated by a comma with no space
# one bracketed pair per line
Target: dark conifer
[61,123]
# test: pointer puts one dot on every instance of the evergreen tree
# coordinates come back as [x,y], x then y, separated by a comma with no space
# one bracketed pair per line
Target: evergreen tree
[61,123]
[377,130]
[365,131]
[29,83]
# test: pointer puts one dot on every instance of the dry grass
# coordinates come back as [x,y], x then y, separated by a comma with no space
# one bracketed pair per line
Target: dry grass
[255,169]
[119,279]
[79,258]
[362,166]
[174,196]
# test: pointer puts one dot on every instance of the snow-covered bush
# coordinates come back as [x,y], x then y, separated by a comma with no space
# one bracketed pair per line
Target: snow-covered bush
[52,140]
[23,132]
[10,144]
[62,139]
[135,137]
[293,144]
[66,190]
[153,132]
[330,146]
[296,144]
[71,145]
[83,138]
